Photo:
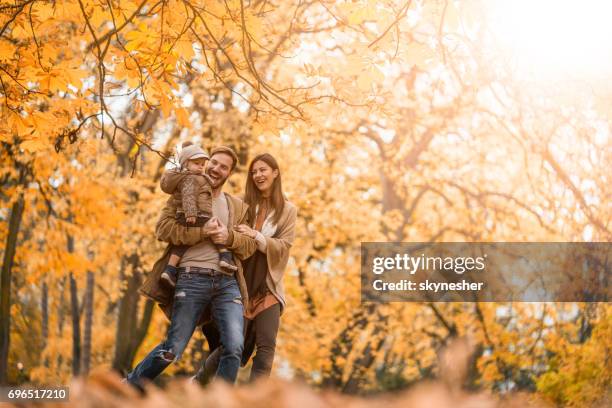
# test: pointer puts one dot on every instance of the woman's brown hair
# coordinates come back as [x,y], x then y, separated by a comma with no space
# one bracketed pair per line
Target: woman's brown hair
[252,195]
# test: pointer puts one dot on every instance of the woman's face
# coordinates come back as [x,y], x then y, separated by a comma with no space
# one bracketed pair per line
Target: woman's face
[263,176]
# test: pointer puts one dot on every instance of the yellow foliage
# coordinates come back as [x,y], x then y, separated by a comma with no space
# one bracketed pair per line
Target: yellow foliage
[382,133]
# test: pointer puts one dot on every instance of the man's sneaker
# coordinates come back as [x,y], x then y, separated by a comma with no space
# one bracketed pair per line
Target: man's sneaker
[138,387]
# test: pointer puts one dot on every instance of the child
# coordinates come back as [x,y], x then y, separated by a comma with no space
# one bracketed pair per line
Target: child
[192,195]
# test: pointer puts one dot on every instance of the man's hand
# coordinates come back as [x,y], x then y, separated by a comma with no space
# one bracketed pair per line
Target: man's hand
[218,233]
[209,227]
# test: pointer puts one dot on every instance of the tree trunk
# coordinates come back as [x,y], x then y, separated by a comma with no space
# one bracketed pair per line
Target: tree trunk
[44,305]
[88,301]
[141,330]
[5,283]
[356,379]
[343,344]
[61,315]
[76,317]
[130,331]
[196,356]
[76,327]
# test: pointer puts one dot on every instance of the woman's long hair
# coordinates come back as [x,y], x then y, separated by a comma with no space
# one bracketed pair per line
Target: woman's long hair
[252,195]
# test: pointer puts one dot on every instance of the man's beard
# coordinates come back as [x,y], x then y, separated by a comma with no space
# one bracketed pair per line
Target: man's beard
[217,181]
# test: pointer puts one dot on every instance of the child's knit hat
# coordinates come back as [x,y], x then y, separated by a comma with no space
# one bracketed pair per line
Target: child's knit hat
[191,152]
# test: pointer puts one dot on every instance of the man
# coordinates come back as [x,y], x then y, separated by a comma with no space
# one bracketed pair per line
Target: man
[201,282]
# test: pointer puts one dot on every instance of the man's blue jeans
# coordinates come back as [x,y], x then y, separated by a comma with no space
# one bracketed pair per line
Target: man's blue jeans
[193,293]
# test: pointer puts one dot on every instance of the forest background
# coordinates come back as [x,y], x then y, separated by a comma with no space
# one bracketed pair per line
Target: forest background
[392,121]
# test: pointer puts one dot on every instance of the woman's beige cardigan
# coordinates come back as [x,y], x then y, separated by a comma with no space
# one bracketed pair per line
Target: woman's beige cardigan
[275,241]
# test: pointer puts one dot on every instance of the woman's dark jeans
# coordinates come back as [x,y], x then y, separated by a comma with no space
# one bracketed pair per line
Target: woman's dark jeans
[195,291]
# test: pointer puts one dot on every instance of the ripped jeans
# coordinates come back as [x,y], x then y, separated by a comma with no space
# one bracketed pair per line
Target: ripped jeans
[193,293]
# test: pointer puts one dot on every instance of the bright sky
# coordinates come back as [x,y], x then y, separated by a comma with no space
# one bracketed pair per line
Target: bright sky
[556,38]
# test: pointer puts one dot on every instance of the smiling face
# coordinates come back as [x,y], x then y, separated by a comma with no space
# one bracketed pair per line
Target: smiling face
[219,169]
[263,176]
[197,165]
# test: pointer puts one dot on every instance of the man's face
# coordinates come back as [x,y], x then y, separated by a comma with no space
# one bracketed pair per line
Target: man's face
[219,168]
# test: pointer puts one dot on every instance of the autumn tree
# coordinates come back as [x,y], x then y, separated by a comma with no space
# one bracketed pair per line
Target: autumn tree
[392,121]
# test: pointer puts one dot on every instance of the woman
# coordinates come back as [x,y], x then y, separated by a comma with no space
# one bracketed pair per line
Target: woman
[272,219]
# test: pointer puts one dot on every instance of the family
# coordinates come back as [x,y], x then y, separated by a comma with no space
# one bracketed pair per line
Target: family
[224,264]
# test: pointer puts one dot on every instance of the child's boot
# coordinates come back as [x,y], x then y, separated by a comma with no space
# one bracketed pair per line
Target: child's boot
[226,262]
[168,276]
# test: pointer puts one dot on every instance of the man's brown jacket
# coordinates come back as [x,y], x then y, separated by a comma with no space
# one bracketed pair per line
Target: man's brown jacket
[168,230]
